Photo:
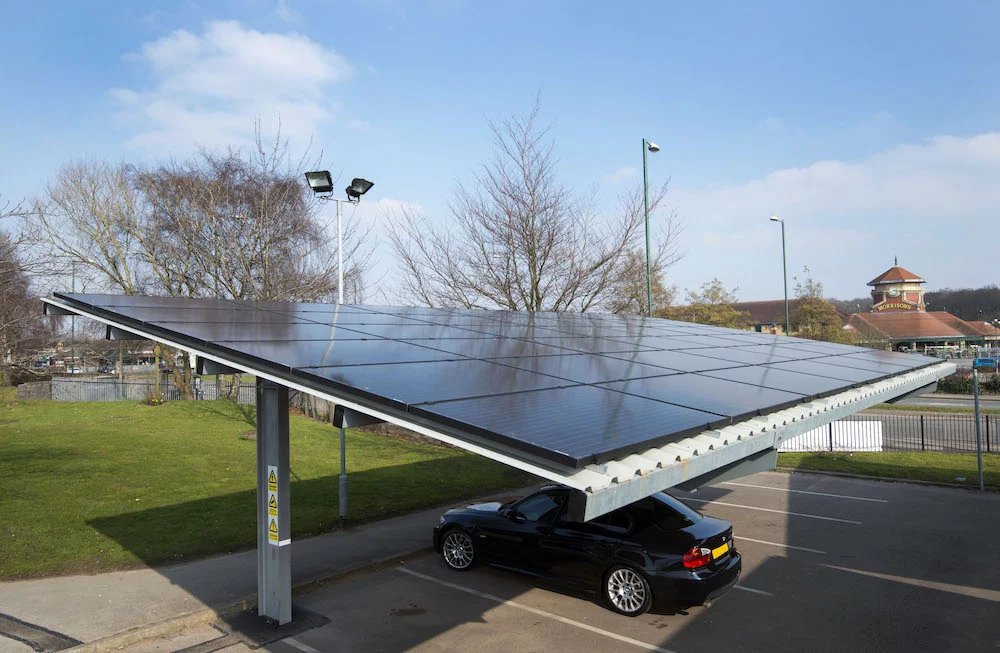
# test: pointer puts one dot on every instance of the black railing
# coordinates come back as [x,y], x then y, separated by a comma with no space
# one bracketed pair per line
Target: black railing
[902,431]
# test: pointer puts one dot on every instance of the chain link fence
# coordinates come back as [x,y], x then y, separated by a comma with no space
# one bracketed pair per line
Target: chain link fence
[111,389]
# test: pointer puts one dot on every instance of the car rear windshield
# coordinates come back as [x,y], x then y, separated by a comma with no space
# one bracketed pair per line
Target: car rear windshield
[666,512]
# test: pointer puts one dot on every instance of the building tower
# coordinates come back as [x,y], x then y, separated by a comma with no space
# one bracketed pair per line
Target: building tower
[897,290]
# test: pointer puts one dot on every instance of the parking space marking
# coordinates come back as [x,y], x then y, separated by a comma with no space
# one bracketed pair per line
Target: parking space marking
[752,590]
[818,494]
[783,512]
[786,546]
[963,590]
[543,613]
[299,645]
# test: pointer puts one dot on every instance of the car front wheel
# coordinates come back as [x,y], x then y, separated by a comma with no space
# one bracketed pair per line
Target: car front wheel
[627,591]
[458,550]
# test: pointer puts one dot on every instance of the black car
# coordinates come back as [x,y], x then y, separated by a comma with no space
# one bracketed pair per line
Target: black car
[657,547]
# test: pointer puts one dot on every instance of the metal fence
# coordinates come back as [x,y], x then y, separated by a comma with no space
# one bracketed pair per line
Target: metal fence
[949,432]
[111,389]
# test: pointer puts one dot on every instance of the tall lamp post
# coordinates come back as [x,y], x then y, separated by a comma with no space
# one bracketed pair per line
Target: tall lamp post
[72,359]
[321,183]
[652,147]
[784,267]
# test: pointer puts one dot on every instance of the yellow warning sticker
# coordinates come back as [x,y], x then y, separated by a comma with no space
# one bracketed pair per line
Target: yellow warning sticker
[272,504]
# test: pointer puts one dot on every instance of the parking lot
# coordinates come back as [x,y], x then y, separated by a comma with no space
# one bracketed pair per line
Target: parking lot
[829,565]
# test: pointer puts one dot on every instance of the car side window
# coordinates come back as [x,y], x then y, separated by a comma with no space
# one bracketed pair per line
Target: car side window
[543,508]
[618,521]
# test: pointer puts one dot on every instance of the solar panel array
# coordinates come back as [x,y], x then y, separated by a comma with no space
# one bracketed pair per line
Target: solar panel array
[570,388]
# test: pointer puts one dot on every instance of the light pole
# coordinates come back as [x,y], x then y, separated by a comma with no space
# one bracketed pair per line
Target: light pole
[652,147]
[784,267]
[72,319]
[321,182]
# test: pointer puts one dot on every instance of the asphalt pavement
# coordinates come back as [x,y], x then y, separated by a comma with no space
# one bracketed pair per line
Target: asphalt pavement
[830,564]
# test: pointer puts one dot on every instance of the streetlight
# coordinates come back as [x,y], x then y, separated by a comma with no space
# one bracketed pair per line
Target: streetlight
[784,267]
[321,182]
[652,147]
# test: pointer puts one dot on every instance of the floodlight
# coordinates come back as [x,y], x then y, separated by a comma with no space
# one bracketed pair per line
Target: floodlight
[653,147]
[358,188]
[320,181]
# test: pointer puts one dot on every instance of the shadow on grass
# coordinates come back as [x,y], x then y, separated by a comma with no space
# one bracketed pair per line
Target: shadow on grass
[227,523]
[231,410]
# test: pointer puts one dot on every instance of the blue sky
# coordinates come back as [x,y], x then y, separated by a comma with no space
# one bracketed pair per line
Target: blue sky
[871,127]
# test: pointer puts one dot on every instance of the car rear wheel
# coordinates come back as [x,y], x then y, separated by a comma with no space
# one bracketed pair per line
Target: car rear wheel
[458,550]
[627,591]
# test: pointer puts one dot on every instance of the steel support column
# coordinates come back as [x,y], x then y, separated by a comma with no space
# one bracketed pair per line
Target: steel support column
[274,564]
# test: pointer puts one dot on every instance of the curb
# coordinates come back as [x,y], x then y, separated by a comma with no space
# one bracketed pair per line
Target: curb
[886,479]
[177,624]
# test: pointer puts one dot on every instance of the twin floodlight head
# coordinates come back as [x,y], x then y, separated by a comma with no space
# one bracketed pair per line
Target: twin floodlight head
[321,182]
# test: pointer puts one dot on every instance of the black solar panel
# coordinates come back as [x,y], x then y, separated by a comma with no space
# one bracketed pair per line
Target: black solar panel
[728,398]
[569,388]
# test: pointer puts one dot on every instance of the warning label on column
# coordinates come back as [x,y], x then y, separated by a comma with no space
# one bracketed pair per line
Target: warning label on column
[272,504]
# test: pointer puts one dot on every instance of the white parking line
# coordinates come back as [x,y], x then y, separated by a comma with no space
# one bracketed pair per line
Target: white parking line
[543,613]
[299,645]
[818,494]
[787,546]
[783,512]
[752,590]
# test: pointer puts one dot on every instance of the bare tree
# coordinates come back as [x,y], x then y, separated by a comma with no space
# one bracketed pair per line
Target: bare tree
[23,330]
[237,225]
[520,239]
[630,294]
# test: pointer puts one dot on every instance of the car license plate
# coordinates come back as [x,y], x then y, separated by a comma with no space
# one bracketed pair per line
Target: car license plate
[718,552]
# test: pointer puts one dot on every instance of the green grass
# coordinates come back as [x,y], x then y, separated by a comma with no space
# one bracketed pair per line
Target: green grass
[921,466]
[88,487]
[908,408]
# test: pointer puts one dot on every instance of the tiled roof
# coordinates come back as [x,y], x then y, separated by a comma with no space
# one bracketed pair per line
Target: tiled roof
[766,312]
[895,274]
[914,324]
[771,311]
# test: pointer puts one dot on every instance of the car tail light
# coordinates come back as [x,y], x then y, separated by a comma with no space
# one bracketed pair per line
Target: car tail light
[697,557]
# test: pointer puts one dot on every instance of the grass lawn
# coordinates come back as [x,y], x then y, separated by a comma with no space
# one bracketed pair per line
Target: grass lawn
[921,466]
[87,487]
[908,408]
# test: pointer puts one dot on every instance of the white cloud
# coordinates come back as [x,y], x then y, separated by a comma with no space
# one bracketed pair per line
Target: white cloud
[209,88]
[620,175]
[846,220]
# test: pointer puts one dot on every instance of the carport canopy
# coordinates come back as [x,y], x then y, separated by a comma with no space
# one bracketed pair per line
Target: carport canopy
[616,406]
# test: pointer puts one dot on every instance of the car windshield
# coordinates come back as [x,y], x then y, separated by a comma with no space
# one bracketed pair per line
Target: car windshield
[666,512]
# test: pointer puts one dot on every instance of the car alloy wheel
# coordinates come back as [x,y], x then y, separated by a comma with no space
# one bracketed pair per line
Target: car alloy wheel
[627,591]
[458,550]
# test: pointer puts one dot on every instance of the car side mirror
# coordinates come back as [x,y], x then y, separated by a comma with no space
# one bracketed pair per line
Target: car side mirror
[510,514]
